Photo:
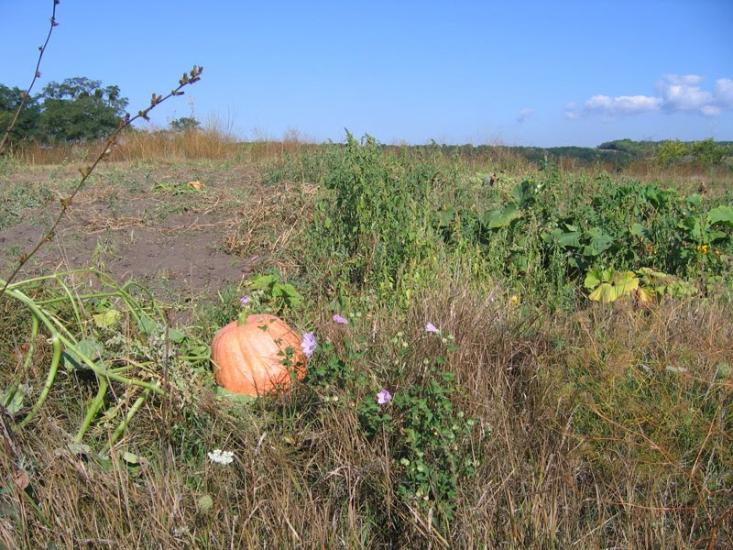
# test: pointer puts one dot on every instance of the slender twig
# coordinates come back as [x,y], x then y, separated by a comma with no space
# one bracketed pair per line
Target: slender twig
[86,171]
[36,75]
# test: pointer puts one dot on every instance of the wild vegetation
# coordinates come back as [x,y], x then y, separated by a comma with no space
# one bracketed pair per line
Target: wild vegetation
[507,347]
[508,353]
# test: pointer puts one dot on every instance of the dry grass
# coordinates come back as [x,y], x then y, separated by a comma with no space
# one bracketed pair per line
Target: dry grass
[138,146]
[211,143]
[265,226]
[305,476]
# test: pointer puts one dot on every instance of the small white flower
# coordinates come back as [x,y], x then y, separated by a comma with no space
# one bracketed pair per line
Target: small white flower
[221,457]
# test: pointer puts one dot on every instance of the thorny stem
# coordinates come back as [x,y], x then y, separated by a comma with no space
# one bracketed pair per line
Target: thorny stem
[155,100]
[36,75]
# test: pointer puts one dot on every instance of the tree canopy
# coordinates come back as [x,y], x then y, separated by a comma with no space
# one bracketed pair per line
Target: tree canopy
[27,124]
[76,109]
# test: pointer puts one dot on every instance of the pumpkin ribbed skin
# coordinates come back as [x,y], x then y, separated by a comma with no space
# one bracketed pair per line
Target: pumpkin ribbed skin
[247,358]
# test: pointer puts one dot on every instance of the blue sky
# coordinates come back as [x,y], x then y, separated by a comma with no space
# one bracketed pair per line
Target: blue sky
[520,72]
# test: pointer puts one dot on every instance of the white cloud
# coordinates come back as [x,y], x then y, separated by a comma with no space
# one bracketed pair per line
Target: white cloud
[623,104]
[676,93]
[683,93]
[524,114]
[724,92]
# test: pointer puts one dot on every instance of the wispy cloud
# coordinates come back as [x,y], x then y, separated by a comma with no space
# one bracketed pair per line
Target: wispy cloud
[623,104]
[675,93]
[571,110]
[524,114]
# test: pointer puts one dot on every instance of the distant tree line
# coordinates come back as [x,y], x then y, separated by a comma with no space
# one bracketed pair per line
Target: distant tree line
[706,152]
[618,153]
[75,110]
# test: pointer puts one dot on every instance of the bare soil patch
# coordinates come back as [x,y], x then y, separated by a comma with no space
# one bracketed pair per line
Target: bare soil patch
[140,221]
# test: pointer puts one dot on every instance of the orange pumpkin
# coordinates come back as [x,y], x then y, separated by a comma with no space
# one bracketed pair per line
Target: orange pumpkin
[248,358]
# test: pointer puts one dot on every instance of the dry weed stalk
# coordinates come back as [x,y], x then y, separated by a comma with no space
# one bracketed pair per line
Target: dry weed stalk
[36,75]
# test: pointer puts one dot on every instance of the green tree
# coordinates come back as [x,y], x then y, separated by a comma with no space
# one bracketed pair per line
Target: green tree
[185,124]
[26,127]
[707,152]
[671,151]
[80,109]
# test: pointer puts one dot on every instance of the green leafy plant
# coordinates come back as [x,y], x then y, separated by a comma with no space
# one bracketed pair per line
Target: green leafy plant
[428,441]
[275,295]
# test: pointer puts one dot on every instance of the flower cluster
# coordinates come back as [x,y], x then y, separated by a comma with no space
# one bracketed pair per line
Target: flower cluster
[221,457]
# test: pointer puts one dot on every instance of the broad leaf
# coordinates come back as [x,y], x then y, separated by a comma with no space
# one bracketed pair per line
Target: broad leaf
[15,404]
[592,279]
[625,282]
[721,214]
[638,230]
[503,217]
[564,239]
[605,293]
[90,347]
[599,242]
[176,336]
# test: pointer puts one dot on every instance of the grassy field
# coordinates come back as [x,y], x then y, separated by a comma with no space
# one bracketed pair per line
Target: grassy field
[558,345]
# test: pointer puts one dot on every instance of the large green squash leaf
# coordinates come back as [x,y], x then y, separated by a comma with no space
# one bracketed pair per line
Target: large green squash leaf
[721,214]
[502,217]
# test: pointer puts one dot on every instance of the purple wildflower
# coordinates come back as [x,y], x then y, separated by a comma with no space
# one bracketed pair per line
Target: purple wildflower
[244,300]
[384,397]
[339,320]
[308,344]
[430,327]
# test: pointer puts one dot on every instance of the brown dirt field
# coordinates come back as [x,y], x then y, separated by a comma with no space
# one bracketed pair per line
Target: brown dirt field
[141,221]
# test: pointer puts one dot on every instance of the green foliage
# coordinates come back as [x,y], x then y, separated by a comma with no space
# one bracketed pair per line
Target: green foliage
[275,295]
[707,152]
[76,109]
[88,333]
[427,439]
[375,218]
[669,152]
[426,436]
[27,126]
[80,109]
[386,217]
[184,124]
